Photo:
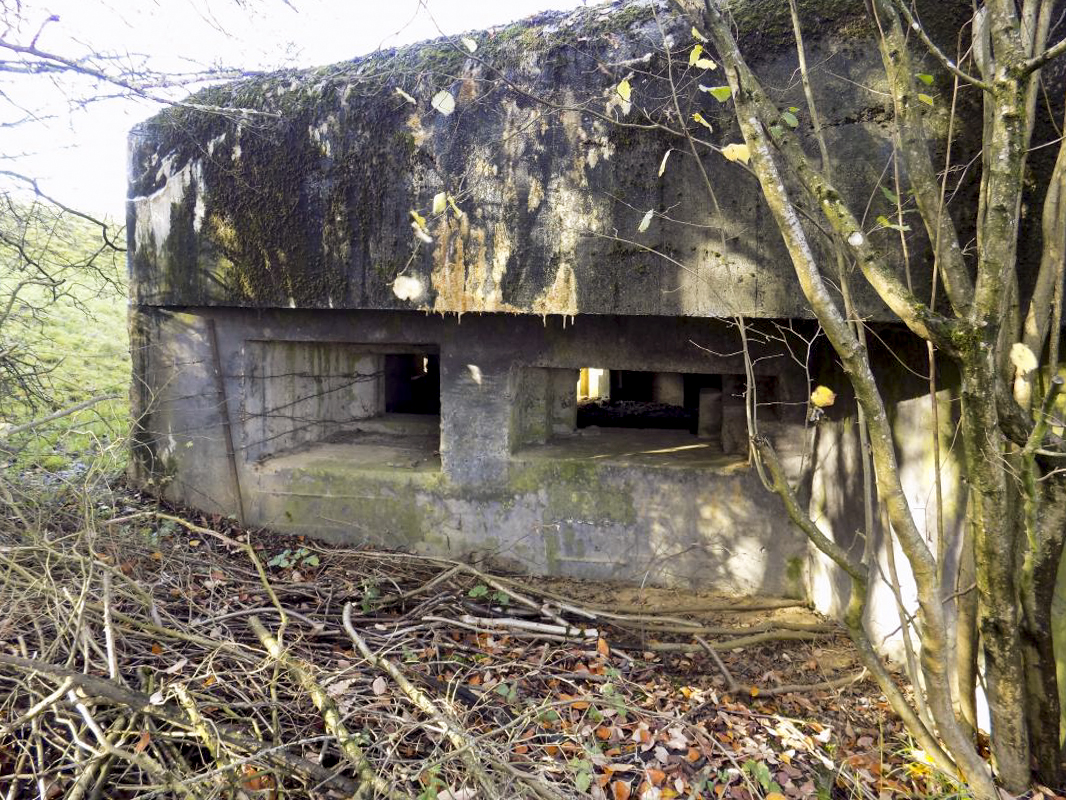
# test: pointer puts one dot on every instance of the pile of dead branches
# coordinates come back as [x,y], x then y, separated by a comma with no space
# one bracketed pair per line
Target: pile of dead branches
[151,656]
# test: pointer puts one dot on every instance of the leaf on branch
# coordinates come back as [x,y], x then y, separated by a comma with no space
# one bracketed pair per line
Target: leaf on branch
[925,78]
[405,96]
[646,221]
[696,59]
[454,207]
[662,164]
[884,222]
[444,102]
[790,119]
[719,93]
[698,117]
[625,91]
[891,196]
[440,202]
[469,44]
[418,225]
[928,100]
[737,152]
[697,35]
[823,397]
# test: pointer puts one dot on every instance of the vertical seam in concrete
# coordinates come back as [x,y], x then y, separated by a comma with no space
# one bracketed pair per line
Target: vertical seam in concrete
[223,407]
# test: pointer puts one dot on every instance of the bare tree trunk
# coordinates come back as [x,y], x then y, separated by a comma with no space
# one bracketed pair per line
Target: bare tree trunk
[1039,573]
[966,643]
[996,559]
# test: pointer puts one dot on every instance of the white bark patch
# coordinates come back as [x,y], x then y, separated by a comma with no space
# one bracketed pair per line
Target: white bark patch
[856,239]
[1022,358]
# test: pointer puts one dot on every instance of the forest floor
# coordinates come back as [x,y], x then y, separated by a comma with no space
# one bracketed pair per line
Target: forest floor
[139,657]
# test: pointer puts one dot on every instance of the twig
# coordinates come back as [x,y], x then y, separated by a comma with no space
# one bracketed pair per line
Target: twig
[740,641]
[565,630]
[63,412]
[37,708]
[141,703]
[330,713]
[463,744]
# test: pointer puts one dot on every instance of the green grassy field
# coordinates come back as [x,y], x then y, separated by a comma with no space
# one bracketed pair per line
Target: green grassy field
[82,341]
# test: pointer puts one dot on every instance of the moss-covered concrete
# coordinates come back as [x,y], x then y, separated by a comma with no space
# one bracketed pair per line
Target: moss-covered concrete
[296,189]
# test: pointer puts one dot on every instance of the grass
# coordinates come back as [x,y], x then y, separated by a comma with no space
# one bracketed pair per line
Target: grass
[81,340]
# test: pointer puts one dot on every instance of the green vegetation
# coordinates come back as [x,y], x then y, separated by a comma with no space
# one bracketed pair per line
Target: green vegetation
[75,334]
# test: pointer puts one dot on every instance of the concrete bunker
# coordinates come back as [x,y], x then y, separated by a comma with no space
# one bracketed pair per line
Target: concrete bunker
[363,319]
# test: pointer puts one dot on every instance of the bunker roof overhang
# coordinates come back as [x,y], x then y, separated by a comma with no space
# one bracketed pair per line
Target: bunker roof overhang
[351,187]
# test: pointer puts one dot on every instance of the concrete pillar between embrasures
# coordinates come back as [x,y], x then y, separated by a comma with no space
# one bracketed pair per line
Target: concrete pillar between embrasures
[709,422]
[734,418]
[668,388]
[562,401]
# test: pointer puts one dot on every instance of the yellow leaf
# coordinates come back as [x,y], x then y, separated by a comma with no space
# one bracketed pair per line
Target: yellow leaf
[823,397]
[440,202]
[737,152]
[697,35]
[706,63]
[698,117]
[625,91]
[694,56]
[194,543]
[602,647]
[776,796]
[454,207]
[662,165]
[405,96]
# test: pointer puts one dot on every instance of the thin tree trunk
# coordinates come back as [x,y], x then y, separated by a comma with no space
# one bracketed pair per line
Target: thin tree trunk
[966,643]
[1046,527]
[995,556]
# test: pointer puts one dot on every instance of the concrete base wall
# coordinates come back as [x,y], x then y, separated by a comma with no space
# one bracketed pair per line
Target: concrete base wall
[505,476]
[503,473]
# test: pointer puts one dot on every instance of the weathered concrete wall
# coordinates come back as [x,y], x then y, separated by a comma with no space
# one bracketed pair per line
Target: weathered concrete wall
[836,496]
[572,507]
[292,230]
[308,204]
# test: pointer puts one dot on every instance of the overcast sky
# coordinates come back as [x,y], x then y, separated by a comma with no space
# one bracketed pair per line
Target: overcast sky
[79,155]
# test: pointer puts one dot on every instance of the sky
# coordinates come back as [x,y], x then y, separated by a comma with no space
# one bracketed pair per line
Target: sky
[78,151]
